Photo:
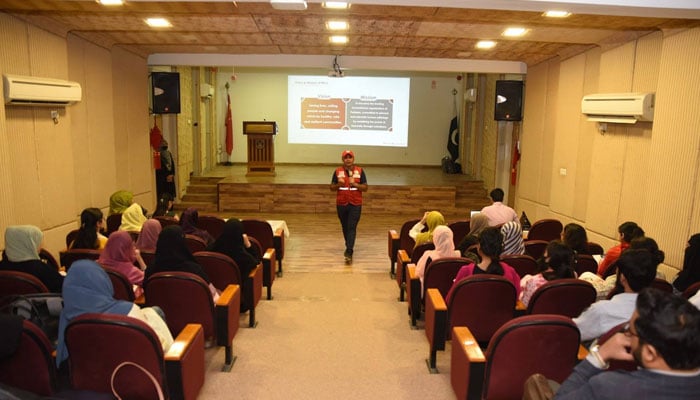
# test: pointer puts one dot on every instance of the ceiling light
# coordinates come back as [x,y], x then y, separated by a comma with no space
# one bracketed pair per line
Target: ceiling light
[111,2]
[485,44]
[337,25]
[514,32]
[556,14]
[158,23]
[338,5]
[298,5]
[339,39]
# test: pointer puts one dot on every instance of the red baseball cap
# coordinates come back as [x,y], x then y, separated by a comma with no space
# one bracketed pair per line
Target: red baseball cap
[348,152]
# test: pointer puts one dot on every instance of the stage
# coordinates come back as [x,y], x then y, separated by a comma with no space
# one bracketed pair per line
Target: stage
[300,188]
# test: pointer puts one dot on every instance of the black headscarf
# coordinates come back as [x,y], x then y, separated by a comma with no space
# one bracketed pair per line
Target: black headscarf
[231,244]
[691,264]
[172,254]
[188,222]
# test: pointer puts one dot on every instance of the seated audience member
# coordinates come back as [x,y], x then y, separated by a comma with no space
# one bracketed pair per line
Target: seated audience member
[431,219]
[512,238]
[121,255]
[662,337]
[172,254]
[132,219]
[558,263]
[149,235]
[499,213]
[627,231]
[88,289]
[444,248]
[119,201]
[690,273]
[22,245]
[235,244]
[574,236]
[165,206]
[490,248]
[477,223]
[89,236]
[188,222]
[636,270]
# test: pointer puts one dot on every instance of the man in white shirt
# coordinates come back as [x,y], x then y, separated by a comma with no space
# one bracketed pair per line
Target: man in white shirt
[498,213]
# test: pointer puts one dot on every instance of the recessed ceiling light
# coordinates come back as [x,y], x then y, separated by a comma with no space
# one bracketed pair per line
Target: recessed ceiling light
[111,2]
[158,23]
[339,39]
[288,4]
[340,5]
[337,25]
[514,32]
[556,14]
[485,44]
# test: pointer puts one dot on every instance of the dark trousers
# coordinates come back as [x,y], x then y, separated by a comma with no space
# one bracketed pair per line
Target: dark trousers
[349,216]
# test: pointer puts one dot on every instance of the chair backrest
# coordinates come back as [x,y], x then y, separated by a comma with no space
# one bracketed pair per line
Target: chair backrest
[585,263]
[220,268]
[417,253]
[123,289]
[71,236]
[440,274]
[114,221]
[482,303]
[595,248]
[535,248]
[460,229]
[166,221]
[405,241]
[546,344]
[67,257]
[212,224]
[521,263]
[545,229]
[166,289]
[568,297]
[48,259]
[98,343]
[260,230]
[31,367]
[195,243]
[19,283]
[662,284]
[691,290]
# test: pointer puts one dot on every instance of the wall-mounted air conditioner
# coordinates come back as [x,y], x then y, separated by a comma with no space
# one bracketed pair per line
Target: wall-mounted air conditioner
[625,108]
[33,91]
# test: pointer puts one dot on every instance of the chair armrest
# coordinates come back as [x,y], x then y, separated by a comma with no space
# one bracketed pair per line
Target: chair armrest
[184,363]
[402,260]
[269,260]
[278,240]
[227,312]
[413,294]
[436,323]
[256,277]
[467,363]
[393,244]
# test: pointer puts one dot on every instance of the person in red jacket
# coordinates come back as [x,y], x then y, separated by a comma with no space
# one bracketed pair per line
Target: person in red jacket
[349,181]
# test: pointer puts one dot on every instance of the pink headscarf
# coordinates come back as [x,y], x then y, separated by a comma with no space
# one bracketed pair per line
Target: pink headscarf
[120,254]
[149,235]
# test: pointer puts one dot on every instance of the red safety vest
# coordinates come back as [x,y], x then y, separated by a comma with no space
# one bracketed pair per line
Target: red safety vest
[346,194]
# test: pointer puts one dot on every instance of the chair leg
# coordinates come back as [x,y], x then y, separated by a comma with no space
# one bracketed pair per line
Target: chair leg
[279,265]
[269,292]
[432,362]
[392,271]
[252,323]
[230,359]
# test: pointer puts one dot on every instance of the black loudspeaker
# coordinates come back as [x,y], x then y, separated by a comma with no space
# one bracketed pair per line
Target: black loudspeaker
[509,101]
[165,92]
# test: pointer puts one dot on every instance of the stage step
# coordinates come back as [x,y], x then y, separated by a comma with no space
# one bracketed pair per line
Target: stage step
[202,194]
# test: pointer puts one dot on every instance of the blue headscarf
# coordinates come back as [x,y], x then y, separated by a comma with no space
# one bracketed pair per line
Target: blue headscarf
[86,289]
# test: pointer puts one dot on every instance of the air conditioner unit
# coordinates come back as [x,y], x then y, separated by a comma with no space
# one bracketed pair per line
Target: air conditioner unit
[624,108]
[33,91]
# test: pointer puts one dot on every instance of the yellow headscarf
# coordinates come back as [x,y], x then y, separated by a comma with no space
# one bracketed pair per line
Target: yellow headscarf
[432,221]
[119,201]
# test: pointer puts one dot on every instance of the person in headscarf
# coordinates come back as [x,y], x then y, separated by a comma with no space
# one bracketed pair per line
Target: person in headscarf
[188,222]
[477,223]
[512,238]
[121,255]
[165,176]
[444,248]
[89,236]
[234,243]
[119,201]
[88,289]
[132,218]
[149,235]
[22,245]
[431,219]
[691,265]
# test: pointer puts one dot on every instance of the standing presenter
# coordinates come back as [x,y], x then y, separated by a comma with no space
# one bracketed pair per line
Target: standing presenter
[349,181]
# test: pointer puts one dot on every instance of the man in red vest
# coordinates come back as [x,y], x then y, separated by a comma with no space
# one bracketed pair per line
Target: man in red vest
[349,181]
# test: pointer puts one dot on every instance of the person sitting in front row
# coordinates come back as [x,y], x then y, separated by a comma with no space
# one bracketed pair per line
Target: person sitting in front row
[663,337]
[431,219]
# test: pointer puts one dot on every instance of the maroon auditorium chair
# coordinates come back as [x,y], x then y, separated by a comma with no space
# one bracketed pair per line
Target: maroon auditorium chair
[403,258]
[439,274]
[567,297]
[521,263]
[545,229]
[20,283]
[212,224]
[400,240]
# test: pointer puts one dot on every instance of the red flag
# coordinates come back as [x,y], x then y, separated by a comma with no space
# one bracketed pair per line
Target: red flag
[229,127]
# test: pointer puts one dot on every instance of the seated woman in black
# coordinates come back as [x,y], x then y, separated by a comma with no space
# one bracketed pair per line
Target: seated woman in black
[235,244]
[22,244]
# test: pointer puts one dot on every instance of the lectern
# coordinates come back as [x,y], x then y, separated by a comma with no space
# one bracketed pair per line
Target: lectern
[261,151]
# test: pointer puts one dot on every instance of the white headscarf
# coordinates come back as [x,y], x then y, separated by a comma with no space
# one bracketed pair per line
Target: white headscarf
[132,218]
[444,247]
[22,242]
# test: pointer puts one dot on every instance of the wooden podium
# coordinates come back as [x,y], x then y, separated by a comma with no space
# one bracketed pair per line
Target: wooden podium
[261,150]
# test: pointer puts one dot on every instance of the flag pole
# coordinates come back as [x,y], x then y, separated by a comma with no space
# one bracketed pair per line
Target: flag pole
[229,127]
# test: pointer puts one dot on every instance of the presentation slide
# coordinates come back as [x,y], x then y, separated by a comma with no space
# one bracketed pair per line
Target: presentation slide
[368,111]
